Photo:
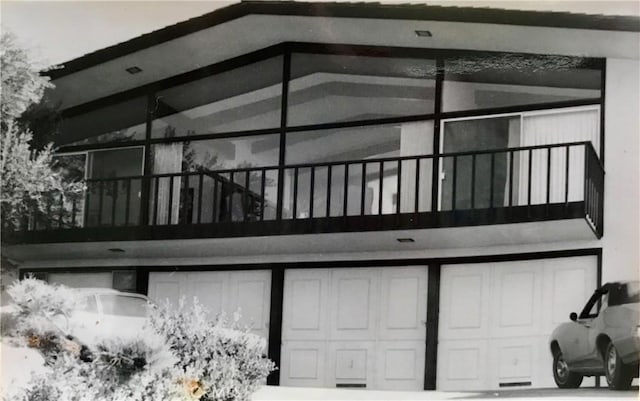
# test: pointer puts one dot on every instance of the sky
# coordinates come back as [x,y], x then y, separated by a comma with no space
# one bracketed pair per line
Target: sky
[58,31]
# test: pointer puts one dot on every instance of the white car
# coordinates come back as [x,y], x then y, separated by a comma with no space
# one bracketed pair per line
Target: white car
[106,313]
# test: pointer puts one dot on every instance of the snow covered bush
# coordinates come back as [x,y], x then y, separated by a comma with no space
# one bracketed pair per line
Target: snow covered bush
[39,313]
[223,358]
[131,370]
[34,298]
[179,356]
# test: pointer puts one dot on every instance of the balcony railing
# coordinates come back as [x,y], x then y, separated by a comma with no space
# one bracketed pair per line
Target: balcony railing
[531,183]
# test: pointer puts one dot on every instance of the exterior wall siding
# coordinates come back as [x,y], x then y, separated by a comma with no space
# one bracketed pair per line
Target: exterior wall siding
[621,257]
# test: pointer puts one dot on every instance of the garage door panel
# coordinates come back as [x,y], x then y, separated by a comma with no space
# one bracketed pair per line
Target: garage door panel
[250,293]
[220,291]
[353,304]
[355,313]
[306,306]
[354,296]
[210,290]
[526,301]
[516,299]
[351,363]
[464,307]
[303,364]
[515,362]
[403,306]
[165,287]
[560,299]
[462,364]
[250,310]
[400,365]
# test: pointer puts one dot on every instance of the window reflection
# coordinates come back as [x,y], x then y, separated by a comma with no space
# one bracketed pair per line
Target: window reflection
[476,82]
[242,99]
[215,195]
[114,188]
[331,88]
[121,122]
[379,192]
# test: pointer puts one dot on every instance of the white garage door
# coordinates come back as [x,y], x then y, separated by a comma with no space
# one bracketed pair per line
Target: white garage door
[221,291]
[496,319]
[354,327]
[80,280]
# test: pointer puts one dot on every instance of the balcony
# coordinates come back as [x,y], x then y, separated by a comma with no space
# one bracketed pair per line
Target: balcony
[549,183]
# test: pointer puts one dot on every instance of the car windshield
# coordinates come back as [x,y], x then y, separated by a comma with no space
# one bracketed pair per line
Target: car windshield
[88,304]
[624,293]
[123,305]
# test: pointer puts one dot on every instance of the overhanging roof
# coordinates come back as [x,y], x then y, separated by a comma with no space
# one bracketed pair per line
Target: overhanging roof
[352,10]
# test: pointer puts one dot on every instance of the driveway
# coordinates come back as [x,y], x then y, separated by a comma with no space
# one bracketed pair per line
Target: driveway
[272,393]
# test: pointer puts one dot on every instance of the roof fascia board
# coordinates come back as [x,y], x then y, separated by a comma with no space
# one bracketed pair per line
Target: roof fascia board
[351,10]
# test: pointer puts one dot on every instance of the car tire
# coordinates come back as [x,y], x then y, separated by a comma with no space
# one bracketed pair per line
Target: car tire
[619,376]
[563,377]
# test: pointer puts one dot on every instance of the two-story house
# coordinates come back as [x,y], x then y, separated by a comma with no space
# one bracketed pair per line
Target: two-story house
[396,196]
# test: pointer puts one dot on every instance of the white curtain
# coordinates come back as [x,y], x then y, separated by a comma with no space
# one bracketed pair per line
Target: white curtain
[167,158]
[554,128]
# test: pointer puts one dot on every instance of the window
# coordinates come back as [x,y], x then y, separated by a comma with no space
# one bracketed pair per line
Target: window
[359,143]
[219,196]
[477,135]
[481,82]
[114,198]
[122,305]
[72,167]
[356,145]
[124,281]
[624,293]
[120,122]
[327,88]
[38,275]
[591,309]
[88,304]
[246,98]
[342,112]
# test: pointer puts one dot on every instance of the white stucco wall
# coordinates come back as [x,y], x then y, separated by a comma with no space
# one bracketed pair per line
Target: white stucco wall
[621,241]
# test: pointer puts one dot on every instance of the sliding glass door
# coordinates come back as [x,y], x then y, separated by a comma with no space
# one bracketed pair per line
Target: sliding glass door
[476,181]
[490,176]
[114,187]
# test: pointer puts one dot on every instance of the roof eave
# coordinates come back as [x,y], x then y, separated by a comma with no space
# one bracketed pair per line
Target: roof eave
[350,10]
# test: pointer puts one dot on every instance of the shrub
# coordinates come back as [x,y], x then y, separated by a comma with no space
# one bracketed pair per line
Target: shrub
[224,359]
[39,313]
[138,370]
[180,356]
[34,299]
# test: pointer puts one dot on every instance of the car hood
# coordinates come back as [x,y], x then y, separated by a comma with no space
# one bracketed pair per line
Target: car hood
[91,329]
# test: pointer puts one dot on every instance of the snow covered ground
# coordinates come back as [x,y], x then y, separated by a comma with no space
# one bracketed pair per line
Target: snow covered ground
[268,393]
[272,393]
[18,362]
[17,365]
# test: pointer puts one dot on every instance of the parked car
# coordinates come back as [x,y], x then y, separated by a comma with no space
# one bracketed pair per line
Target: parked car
[106,313]
[603,340]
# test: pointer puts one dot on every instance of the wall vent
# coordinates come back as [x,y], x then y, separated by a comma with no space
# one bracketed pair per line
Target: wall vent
[514,384]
